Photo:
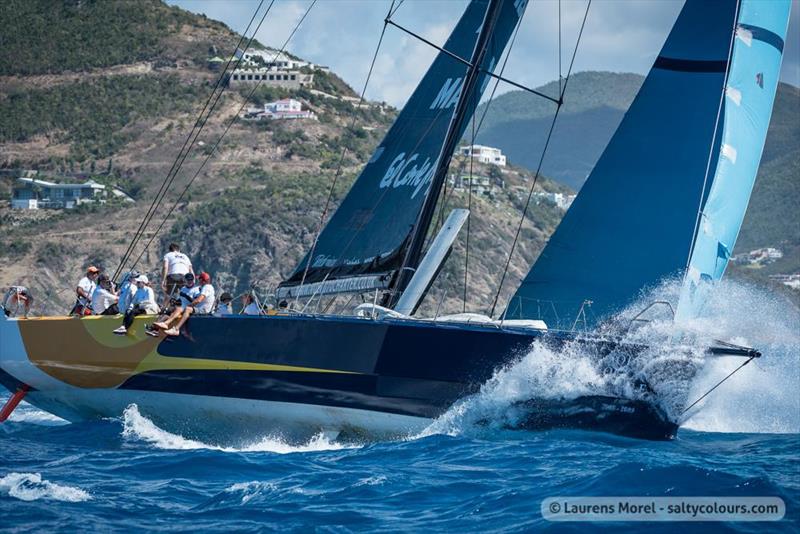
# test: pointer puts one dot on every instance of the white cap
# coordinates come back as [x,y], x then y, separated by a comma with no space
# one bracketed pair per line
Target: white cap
[142,278]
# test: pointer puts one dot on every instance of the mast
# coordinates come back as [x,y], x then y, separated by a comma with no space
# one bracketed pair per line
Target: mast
[471,79]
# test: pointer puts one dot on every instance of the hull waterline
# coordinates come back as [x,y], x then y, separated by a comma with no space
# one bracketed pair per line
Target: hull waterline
[293,376]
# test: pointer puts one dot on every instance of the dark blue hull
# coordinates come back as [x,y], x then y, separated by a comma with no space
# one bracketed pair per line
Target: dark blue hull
[412,368]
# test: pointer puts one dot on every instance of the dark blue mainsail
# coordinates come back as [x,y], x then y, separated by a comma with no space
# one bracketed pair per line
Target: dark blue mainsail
[370,232]
[632,223]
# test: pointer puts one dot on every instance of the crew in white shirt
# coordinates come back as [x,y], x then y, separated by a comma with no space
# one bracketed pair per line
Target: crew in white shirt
[251,306]
[193,300]
[104,300]
[84,291]
[224,307]
[176,266]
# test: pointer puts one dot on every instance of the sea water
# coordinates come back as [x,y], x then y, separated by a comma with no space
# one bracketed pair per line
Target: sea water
[126,473]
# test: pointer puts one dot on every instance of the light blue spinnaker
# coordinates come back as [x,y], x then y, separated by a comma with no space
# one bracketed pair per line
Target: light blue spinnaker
[749,94]
[633,222]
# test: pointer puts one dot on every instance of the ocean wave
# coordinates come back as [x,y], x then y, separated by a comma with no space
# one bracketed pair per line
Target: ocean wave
[247,491]
[31,487]
[139,428]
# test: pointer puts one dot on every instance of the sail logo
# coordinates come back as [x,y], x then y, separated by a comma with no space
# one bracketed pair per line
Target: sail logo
[448,94]
[401,173]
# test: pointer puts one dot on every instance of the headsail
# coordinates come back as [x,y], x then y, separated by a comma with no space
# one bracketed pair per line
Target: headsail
[749,94]
[633,221]
[366,240]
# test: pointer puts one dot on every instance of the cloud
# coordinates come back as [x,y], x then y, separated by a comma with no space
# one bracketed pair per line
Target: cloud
[620,35]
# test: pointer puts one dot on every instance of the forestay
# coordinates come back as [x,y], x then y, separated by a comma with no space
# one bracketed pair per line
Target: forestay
[370,232]
[749,94]
[633,221]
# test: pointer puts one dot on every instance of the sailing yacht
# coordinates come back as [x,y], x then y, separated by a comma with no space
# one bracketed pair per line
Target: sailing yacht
[666,199]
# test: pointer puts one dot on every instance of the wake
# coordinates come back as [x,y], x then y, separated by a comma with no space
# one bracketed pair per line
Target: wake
[138,428]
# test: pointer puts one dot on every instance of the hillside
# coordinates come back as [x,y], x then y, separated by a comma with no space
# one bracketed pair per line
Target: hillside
[90,104]
[595,104]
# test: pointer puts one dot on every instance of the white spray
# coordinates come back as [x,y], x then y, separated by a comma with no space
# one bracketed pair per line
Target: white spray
[761,397]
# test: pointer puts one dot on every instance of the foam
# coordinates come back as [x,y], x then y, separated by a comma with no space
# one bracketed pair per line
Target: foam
[31,487]
[759,398]
[25,413]
[137,427]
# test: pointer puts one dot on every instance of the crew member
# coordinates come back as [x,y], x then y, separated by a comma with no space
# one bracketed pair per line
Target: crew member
[225,305]
[250,304]
[186,296]
[143,302]
[203,303]
[176,266]
[126,291]
[104,300]
[84,291]
[18,299]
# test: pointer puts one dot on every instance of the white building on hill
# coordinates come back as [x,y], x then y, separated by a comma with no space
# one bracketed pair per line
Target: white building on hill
[30,193]
[484,154]
[561,200]
[287,79]
[288,108]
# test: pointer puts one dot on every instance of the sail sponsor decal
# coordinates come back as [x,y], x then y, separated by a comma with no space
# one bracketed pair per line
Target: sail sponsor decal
[449,94]
[370,231]
[415,178]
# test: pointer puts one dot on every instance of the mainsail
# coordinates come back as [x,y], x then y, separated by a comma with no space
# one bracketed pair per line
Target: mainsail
[749,94]
[366,240]
[632,223]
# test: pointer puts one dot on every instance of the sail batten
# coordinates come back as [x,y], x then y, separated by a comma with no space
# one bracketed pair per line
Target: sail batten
[371,232]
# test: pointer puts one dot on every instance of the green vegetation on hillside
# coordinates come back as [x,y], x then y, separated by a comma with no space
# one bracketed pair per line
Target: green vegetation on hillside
[596,101]
[91,116]
[585,91]
[51,36]
[254,234]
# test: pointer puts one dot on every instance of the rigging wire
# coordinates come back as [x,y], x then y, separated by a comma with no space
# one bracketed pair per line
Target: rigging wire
[468,64]
[718,384]
[424,135]
[541,160]
[446,195]
[339,166]
[186,154]
[191,138]
[469,208]
[219,140]
[382,196]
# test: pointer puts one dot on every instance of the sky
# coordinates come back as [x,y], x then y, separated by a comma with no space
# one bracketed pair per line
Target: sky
[620,35]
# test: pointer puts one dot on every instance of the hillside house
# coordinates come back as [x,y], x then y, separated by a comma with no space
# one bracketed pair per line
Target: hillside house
[288,108]
[274,59]
[288,79]
[561,200]
[481,185]
[759,256]
[484,154]
[30,193]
